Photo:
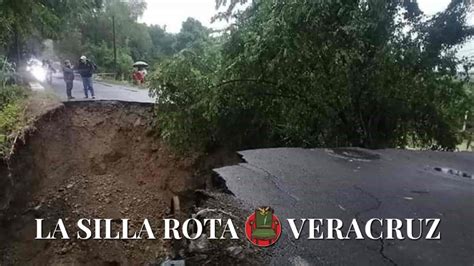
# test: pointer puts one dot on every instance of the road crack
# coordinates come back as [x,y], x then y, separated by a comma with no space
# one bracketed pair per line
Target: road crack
[274,180]
[370,195]
[376,206]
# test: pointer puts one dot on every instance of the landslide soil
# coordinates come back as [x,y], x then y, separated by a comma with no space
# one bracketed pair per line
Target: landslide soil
[98,160]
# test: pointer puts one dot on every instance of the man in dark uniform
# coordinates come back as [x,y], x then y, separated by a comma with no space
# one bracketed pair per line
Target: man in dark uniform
[86,68]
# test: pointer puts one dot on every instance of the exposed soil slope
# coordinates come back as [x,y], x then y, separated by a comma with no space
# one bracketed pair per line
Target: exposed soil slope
[90,160]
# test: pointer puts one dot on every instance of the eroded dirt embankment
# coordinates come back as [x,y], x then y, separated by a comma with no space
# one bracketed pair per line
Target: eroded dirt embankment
[92,160]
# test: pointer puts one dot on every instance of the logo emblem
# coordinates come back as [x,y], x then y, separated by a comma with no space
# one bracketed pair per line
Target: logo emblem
[263,228]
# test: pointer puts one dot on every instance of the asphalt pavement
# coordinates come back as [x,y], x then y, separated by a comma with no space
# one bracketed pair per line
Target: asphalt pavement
[361,184]
[346,184]
[103,91]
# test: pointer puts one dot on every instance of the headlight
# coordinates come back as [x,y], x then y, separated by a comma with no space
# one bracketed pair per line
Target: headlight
[38,72]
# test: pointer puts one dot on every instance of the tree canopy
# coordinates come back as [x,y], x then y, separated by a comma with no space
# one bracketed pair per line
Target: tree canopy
[24,24]
[320,73]
[86,28]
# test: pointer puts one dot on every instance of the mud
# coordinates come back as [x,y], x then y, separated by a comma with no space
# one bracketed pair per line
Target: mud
[96,160]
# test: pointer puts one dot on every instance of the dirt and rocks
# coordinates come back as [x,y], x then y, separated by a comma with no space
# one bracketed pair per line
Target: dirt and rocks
[102,160]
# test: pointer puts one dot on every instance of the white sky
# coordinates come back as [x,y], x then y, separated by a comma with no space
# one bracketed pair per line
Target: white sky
[430,7]
[173,12]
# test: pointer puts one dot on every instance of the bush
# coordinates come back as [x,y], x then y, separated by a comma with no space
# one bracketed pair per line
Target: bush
[7,72]
[185,115]
[104,56]
[10,94]
[11,113]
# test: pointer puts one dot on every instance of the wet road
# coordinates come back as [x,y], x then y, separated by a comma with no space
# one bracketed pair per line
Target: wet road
[103,91]
[318,183]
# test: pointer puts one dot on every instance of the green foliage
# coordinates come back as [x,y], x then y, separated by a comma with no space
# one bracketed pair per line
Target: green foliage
[184,81]
[468,126]
[192,33]
[7,72]
[86,28]
[10,94]
[24,23]
[71,47]
[320,73]
[92,35]
[163,43]
[11,109]
[140,42]
[104,54]
[9,121]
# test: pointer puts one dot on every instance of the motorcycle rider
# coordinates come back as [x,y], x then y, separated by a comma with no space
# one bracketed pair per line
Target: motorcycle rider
[49,71]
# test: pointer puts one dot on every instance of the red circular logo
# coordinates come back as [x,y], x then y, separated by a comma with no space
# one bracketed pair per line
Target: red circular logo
[263,228]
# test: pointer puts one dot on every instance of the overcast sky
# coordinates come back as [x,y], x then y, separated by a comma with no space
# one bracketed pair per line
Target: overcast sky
[173,12]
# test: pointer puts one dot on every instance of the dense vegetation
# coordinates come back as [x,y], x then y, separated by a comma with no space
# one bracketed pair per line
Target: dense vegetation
[11,111]
[320,73]
[86,28]
[373,73]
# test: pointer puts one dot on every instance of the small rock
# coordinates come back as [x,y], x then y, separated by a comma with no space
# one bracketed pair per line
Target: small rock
[200,257]
[174,262]
[63,250]
[234,251]
[69,186]
[199,245]
[137,122]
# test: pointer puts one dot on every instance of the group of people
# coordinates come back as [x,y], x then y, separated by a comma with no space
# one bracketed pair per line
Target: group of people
[86,69]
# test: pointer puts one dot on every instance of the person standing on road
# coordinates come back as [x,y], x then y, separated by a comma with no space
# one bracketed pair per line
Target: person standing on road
[68,75]
[86,68]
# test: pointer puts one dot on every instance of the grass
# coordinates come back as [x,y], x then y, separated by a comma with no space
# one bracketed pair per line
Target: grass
[12,112]
[19,108]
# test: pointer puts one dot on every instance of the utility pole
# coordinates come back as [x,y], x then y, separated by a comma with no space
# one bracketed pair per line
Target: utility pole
[17,46]
[115,46]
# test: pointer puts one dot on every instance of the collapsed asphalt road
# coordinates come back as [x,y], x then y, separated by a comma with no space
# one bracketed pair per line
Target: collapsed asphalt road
[346,184]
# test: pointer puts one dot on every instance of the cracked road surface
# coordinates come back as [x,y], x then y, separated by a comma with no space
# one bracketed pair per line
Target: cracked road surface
[313,183]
